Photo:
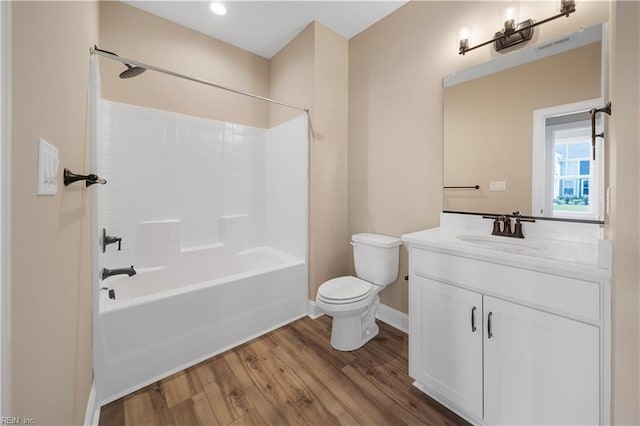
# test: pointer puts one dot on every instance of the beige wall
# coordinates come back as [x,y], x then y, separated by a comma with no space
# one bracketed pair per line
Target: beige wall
[488,127]
[328,234]
[623,223]
[50,282]
[395,140]
[312,70]
[140,36]
[395,109]
[292,76]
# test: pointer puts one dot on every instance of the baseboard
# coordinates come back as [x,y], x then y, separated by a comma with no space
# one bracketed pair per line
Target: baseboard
[393,317]
[386,314]
[312,310]
[92,415]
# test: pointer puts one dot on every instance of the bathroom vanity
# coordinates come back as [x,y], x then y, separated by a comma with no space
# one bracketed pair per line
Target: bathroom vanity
[511,331]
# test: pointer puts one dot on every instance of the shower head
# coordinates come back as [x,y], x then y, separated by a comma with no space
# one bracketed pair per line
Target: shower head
[131,71]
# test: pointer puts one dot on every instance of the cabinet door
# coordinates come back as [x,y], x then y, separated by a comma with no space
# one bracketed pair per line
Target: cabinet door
[445,351]
[539,368]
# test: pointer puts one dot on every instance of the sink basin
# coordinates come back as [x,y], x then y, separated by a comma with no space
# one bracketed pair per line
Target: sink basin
[516,245]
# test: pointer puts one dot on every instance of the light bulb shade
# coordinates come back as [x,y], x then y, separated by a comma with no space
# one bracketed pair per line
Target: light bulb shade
[463,37]
[510,14]
[567,6]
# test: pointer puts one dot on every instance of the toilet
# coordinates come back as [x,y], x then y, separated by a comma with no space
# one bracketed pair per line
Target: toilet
[353,301]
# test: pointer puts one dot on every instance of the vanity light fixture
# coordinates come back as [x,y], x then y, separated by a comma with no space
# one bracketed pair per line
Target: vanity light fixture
[218,8]
[514,32]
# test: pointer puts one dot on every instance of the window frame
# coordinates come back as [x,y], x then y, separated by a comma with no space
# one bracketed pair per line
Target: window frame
[543,163]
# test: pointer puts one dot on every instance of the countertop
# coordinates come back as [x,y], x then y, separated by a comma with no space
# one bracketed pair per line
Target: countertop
[574,258]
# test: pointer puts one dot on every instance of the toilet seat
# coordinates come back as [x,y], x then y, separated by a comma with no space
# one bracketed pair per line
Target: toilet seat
[344,290]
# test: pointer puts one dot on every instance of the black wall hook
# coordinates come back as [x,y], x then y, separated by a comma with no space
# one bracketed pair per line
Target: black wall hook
[70,177]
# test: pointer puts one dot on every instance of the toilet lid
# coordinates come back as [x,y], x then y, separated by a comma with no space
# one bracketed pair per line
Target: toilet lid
[344,290]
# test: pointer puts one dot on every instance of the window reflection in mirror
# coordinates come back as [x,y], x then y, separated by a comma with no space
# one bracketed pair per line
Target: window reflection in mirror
[571,175]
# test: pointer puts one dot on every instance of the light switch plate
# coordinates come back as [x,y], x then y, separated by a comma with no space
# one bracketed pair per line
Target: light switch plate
[48,160]
[497,185]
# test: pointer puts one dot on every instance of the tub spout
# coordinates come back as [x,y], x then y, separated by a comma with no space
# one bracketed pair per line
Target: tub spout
[106,273]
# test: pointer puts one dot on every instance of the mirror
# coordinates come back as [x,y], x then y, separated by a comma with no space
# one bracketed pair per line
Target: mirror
[518,127]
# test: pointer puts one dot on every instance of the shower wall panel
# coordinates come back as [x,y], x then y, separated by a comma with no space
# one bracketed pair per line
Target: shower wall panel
[287,187]
[178,183]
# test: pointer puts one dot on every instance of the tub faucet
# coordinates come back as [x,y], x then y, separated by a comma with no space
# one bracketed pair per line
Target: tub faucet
[106,273]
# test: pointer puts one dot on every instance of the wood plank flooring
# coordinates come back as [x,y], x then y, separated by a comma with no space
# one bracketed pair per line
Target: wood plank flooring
[291,376]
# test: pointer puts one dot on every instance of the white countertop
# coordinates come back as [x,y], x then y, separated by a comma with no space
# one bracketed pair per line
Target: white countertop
[590,258]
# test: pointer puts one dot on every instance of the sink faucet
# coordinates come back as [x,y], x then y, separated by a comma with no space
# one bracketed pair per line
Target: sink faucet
[502,225]
[106,273]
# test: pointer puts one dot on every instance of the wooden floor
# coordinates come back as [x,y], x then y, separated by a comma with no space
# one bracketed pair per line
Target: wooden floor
[290,376]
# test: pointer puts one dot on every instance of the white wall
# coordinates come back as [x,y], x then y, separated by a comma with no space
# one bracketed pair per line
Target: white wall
[286,172]
[180,183]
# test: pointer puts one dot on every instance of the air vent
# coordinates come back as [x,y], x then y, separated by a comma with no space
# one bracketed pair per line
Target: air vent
[555,43]
[544,47]
[563,40]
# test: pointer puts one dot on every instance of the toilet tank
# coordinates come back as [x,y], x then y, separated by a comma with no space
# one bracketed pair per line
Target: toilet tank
[376,258]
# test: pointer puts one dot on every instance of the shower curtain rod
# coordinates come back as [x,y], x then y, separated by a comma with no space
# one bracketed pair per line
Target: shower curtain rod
[194,79]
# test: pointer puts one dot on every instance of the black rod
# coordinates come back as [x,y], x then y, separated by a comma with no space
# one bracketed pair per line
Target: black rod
[462,187]
[555,219]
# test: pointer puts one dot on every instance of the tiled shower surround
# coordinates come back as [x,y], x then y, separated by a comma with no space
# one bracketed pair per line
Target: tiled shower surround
[178,184]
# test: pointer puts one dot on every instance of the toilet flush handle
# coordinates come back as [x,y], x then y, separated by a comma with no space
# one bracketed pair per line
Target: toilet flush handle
[352,243]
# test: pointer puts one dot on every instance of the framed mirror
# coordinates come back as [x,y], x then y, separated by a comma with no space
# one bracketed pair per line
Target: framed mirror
[517,131]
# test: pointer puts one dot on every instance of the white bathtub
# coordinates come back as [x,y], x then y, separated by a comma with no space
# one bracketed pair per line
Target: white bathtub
[166,319]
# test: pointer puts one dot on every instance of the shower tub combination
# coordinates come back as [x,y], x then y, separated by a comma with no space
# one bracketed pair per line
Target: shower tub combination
[217,264]
[166,319]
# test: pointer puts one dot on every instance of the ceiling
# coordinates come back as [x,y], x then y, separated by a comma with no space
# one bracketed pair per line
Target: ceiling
[265,27]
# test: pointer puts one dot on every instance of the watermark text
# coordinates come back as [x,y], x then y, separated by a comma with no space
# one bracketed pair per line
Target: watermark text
[16,420]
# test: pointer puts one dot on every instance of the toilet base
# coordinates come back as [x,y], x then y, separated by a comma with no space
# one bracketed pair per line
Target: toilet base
[343,340]
[349,333]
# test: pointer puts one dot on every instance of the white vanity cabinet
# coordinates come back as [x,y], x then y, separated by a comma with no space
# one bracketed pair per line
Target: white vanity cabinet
[445,341]
[504,344]
[539,368]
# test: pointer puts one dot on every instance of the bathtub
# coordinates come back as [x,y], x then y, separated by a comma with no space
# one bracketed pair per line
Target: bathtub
[165,319]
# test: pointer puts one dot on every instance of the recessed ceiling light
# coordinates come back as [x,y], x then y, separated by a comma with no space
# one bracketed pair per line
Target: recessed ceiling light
[218,8]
